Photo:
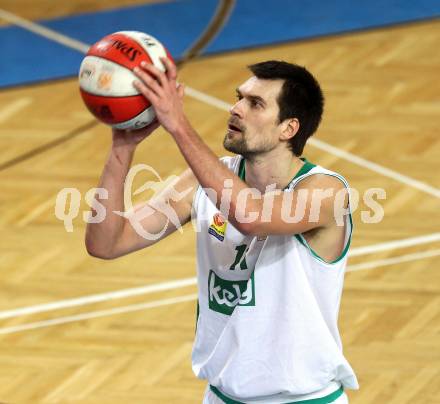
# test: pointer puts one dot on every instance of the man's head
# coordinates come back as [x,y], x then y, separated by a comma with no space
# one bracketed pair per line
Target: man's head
[280,106]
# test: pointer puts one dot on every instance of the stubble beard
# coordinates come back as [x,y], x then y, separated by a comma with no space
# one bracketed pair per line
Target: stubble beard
[236,144]
[239,145]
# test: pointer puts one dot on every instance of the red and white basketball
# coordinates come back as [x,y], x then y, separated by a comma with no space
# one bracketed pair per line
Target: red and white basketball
[106,78]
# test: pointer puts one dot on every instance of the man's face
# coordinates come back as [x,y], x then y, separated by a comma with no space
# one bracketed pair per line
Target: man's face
[253,127]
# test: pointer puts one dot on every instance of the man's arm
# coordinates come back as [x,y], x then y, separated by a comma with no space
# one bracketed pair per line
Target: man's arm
[115,235]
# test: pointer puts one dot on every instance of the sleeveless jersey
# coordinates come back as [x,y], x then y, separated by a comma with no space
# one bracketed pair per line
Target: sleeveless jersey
[267,307]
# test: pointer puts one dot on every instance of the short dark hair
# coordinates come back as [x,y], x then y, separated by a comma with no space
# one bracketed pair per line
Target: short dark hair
[300,97]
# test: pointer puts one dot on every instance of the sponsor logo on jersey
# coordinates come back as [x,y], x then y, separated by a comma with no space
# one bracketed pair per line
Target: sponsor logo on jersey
[218,226]
[225,295]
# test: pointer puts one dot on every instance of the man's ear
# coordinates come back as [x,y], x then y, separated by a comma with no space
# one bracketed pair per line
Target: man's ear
[290,128]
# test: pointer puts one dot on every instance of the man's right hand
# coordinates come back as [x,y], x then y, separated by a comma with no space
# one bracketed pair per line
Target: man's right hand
[131,138]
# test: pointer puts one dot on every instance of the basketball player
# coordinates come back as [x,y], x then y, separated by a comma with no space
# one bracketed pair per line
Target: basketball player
[269,280]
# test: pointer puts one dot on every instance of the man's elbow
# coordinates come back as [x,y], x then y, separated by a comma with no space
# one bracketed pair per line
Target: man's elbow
[250,224]
[249,229]
[101,255]
[99,252]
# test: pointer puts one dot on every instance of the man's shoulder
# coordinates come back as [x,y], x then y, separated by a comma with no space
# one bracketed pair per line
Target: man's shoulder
[322,180]
[321,177]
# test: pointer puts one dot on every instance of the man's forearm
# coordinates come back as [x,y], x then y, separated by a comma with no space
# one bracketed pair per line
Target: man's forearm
[101,237]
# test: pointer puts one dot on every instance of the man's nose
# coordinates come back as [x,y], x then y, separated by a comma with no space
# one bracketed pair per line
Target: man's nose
[237,109]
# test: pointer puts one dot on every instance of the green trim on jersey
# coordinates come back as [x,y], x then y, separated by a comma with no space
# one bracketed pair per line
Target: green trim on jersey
[241,169]
[197,315]
[321,400]
[304,242]
[305,168]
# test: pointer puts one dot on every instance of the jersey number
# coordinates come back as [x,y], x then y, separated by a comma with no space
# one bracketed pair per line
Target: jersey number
[240,258]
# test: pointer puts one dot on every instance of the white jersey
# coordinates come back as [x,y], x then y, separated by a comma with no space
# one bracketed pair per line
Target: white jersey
[268,307]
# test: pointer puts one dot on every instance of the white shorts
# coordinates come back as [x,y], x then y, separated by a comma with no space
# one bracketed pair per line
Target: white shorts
[211,398]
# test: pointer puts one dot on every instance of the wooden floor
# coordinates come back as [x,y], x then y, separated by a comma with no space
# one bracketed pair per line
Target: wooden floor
[383,105]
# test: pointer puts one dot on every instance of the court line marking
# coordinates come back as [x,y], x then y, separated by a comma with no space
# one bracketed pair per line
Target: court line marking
[190,297]
[43,31]
[392,245]
[101,297]
[99,313]
[184,282]
[386,172]
[14,107]
[394,260]
[213,101]
[49,145]
[221,16]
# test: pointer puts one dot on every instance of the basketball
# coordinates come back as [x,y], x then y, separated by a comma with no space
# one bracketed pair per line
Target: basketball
[106,78]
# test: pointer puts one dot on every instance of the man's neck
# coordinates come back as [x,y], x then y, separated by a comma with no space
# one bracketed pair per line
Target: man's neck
[275,167]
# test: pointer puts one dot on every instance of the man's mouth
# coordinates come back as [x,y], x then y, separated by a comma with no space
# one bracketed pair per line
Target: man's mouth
[233,128]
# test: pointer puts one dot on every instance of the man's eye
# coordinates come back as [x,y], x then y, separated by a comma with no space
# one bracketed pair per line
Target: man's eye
[254,103]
